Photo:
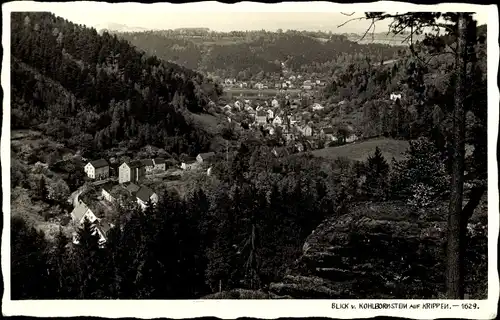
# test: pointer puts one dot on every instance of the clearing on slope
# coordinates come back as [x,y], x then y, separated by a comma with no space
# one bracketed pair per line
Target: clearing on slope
[360,150]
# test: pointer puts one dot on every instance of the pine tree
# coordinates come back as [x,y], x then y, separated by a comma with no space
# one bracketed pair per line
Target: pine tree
[377,172]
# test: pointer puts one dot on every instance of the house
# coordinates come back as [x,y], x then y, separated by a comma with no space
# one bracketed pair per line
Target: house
[116,194]
[292,78]
[144,195]
[227,107]
[106,192]
[159,164]
[329,133]
[277,121]
[395,96]
[275,103]
[318,82]
[307,87]
[102,228]
[188,166]
[131,172]
[317,107]
[252,113]
[306,130]
[238,105]
[270,114]
[148,165]
[259,86]
[132,188]
[351,138]
[82,211]
[261,117]
[97,169]
[204,157]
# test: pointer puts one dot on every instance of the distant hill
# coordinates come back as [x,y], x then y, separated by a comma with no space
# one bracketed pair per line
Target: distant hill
[117,27]
[247,54]
[96,91]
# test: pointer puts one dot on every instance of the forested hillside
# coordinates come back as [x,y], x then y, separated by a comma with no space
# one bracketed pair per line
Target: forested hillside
[95,91]
[246,55]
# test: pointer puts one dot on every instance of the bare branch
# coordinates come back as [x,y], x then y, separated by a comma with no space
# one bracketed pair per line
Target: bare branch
[348,14]
[368,30]
[346,22]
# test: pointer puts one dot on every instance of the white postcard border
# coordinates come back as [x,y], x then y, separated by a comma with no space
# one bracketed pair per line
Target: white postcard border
[267,309]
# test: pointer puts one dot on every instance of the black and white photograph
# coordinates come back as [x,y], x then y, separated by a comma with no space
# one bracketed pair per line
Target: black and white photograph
[162,152]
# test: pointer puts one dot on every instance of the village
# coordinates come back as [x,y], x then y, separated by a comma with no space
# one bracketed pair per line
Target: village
[297,120]
[126,188]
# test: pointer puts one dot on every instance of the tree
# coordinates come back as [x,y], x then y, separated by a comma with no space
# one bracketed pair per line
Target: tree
[377,170]
[59,191]
[41,190]
[458,26]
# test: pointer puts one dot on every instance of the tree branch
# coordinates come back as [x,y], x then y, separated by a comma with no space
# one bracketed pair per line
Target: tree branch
[350,20]
[474,198]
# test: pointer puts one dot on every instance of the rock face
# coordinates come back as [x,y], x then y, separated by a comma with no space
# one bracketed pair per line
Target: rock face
[378,250]
[244,294]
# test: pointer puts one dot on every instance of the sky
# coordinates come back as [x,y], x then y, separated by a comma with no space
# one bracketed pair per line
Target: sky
[221,17]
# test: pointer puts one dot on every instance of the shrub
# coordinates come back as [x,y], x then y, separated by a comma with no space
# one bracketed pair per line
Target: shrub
[424,165]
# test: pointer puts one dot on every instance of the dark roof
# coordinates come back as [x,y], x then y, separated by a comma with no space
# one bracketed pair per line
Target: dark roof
[108,186]
[328,130]
[159,160]
[147,162]
[99,163]
[132,188]
[206,155]
[144,193]
[104,226]
[134,164]
[261,113]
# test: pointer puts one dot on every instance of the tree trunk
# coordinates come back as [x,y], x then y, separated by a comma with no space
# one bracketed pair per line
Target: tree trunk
[455,250]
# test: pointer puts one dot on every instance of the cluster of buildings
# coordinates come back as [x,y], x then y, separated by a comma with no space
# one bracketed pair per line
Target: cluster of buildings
[128,171]
[127,190]
[278,82]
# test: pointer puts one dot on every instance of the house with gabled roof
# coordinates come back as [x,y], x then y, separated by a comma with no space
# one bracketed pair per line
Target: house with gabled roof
[159,164]
[148,165]
[329,133]
[132,188]
[204,157]
[82,211]
[144,196]
[97,169]
[261,117]
[131,171]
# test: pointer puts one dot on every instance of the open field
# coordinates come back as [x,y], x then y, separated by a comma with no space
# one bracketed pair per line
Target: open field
[360,151]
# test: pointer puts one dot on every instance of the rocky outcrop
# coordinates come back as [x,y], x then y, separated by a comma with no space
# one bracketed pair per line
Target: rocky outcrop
[378,250]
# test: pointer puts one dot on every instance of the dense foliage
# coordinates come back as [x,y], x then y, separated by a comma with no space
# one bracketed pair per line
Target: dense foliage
[241,227]
[95,91]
